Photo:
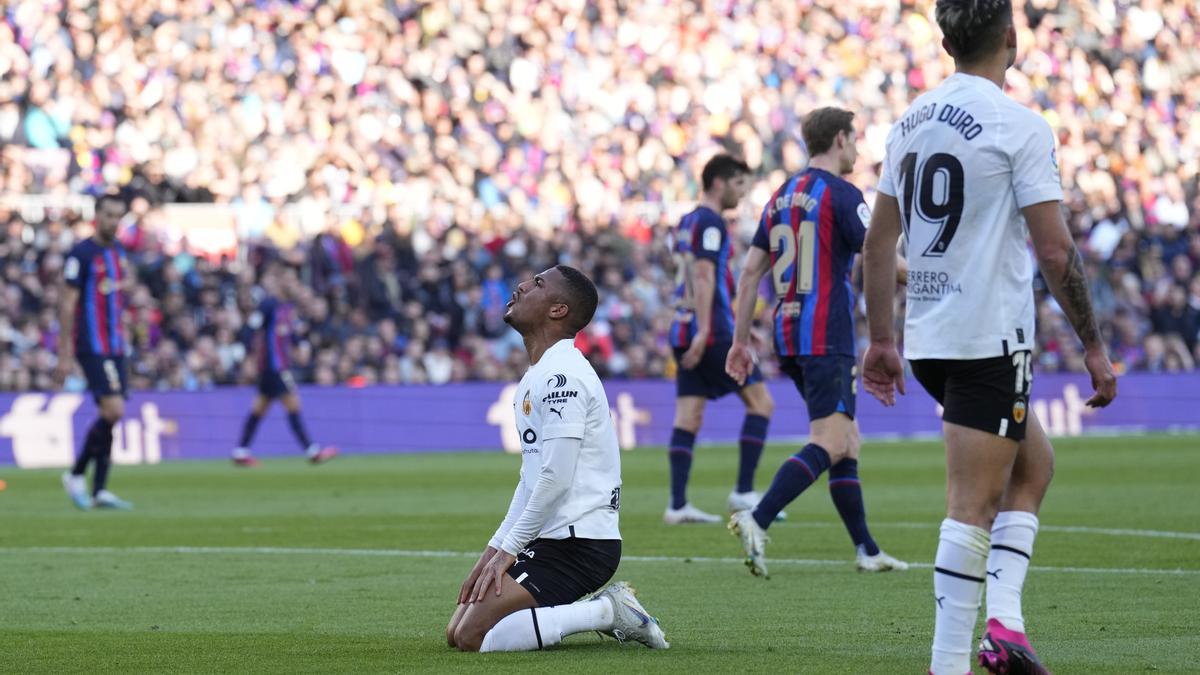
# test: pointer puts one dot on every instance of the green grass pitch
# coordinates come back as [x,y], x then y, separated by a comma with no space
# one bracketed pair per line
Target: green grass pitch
[354,566]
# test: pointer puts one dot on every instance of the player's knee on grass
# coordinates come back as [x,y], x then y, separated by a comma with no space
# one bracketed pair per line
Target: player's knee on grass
[452,627]
[468,637]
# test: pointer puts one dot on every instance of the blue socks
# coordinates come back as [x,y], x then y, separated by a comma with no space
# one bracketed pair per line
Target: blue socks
[680,455]
[298,429]
[846,492]
[754,435]
[797,473]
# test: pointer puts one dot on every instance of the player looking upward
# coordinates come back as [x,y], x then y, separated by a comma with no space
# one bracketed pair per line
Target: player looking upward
[967,175]
[701,335]
[809,233]
[559,540]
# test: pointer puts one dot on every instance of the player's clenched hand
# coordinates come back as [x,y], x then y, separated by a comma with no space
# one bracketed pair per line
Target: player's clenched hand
[695,351]
[883,373]
[468,586]
[739,362]
[1104,379]
[492,575]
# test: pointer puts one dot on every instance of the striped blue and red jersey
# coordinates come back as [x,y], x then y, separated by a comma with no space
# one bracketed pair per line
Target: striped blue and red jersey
[98,272]
[702,235]
[275,336]
[812,227]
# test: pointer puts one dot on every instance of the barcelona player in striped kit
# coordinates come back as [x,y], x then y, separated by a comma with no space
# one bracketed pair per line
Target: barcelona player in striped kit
[810,231]
[273,343]
[701,336]
[92,331]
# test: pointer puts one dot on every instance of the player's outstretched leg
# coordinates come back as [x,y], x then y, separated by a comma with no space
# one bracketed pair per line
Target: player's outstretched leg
[797,473]
[845,490]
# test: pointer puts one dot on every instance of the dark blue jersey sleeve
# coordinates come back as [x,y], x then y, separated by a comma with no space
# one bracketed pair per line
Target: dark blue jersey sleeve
[852,215]
[75,268]
[762,234]
[708,236]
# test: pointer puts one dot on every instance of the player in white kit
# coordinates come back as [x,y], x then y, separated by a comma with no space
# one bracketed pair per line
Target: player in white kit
[559,540]
[969,175]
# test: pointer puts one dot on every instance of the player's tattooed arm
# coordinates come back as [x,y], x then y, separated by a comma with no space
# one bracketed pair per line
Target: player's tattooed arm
[1062,267]
[1076,299]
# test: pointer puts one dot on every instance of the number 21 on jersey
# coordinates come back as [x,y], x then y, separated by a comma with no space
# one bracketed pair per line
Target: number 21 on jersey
[793,251]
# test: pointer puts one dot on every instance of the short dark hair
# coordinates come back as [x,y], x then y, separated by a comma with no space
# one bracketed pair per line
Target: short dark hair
[581,297]
[821,126]
[974,28]
[722,167]
[112,197]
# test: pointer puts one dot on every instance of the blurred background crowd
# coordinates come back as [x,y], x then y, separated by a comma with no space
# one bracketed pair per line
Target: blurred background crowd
[410,162]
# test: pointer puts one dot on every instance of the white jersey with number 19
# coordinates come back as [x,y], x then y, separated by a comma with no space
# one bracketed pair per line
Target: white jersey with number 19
[963,161]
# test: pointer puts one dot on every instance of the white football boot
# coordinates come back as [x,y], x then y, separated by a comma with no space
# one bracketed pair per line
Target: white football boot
[880,562]
[754,541]
[631,621]
[688,514]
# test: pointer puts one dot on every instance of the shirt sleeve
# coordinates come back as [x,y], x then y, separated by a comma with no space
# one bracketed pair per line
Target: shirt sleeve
[708,237]
[73,271]
[564,406]
[887,184]
[1034,160]
[559,459]
[762,235]
[515,508]
[853,216]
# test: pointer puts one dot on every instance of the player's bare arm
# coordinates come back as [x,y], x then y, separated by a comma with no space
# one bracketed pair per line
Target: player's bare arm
[883,371]
[66,332]
[1062,266]
[704,284]
[740,361]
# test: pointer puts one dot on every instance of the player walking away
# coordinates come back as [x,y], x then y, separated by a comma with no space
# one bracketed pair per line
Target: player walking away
[809,233]
[559,540]
[701,335]
[90,317]
[275,381]
[962,167]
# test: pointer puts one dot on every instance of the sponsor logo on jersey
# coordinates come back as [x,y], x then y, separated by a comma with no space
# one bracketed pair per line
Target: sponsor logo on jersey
[561,396]
[526,405]
[557,381]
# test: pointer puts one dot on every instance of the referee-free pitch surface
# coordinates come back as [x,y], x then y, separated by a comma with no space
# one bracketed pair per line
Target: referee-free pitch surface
[354,567]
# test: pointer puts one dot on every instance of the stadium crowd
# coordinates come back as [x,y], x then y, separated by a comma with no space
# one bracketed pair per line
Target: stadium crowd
[411,161]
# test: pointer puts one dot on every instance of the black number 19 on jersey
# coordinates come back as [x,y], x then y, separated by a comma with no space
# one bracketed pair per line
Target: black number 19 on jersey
[937,184]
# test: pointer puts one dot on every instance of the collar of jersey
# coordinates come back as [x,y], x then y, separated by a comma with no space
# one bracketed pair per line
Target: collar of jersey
[975,81]
[561,345]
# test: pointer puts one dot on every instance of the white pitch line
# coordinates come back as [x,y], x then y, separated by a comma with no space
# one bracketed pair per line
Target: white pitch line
[1062,529]
[401,553]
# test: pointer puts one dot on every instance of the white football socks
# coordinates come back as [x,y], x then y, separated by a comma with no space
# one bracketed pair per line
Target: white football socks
[1013,533]
[531,629]
[958,581]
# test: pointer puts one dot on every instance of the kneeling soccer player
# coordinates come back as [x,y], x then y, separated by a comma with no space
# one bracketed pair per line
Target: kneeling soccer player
[559,540]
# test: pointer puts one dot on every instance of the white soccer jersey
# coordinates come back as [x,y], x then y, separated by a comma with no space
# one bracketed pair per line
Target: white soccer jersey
[963,161]
[562,397]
